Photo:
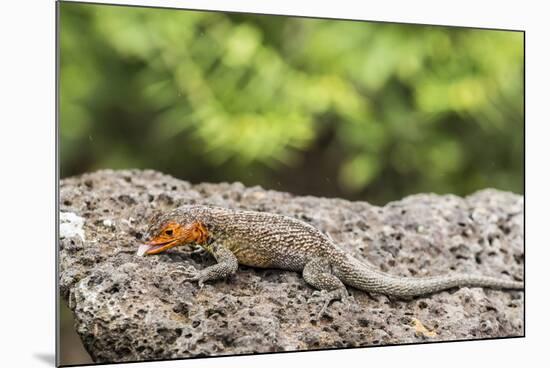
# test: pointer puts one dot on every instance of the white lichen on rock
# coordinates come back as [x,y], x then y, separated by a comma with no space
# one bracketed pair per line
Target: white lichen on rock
[71,225]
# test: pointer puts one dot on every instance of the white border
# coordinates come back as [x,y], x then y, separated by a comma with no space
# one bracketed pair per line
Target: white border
[27,184]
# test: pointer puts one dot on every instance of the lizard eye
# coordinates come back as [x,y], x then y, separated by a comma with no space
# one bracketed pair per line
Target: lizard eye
[169,232]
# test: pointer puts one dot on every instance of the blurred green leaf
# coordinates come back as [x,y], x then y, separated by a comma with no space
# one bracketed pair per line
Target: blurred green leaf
[358,172]
[352,109]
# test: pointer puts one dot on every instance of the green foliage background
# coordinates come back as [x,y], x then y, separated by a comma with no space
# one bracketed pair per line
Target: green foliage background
[358,110]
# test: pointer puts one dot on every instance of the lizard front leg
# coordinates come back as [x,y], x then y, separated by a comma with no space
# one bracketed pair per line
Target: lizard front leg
[226,266]
[317,273]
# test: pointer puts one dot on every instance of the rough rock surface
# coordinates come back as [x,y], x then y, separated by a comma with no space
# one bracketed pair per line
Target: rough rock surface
[130,308]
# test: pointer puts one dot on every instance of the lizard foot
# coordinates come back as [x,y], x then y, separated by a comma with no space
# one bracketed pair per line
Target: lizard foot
[325,297]
[191,274]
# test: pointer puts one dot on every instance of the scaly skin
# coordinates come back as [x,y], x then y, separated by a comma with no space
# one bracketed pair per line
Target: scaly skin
[268,240]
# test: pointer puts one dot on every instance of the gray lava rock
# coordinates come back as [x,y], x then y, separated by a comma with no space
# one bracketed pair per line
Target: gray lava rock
[133,308]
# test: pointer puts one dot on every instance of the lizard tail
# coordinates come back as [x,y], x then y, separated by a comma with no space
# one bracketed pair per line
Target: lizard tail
[364,277]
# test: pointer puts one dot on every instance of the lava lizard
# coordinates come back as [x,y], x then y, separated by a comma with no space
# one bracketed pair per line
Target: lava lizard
[267,240]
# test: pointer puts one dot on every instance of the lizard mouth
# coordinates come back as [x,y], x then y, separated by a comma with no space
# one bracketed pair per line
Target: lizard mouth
[155,248]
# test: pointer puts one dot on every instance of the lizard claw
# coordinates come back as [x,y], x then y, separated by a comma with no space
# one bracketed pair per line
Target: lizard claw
[315,295]
[199,251]
[192,274]
[325,297]
[189,273]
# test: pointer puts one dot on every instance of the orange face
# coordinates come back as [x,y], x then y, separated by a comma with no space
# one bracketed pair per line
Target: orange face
[174,234]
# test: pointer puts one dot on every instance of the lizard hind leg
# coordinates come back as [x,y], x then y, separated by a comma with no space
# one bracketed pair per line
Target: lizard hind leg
[318,274]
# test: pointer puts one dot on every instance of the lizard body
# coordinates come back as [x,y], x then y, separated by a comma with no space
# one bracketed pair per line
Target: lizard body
[268,240]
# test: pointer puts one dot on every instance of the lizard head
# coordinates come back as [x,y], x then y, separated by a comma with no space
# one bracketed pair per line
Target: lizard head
[173,229]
